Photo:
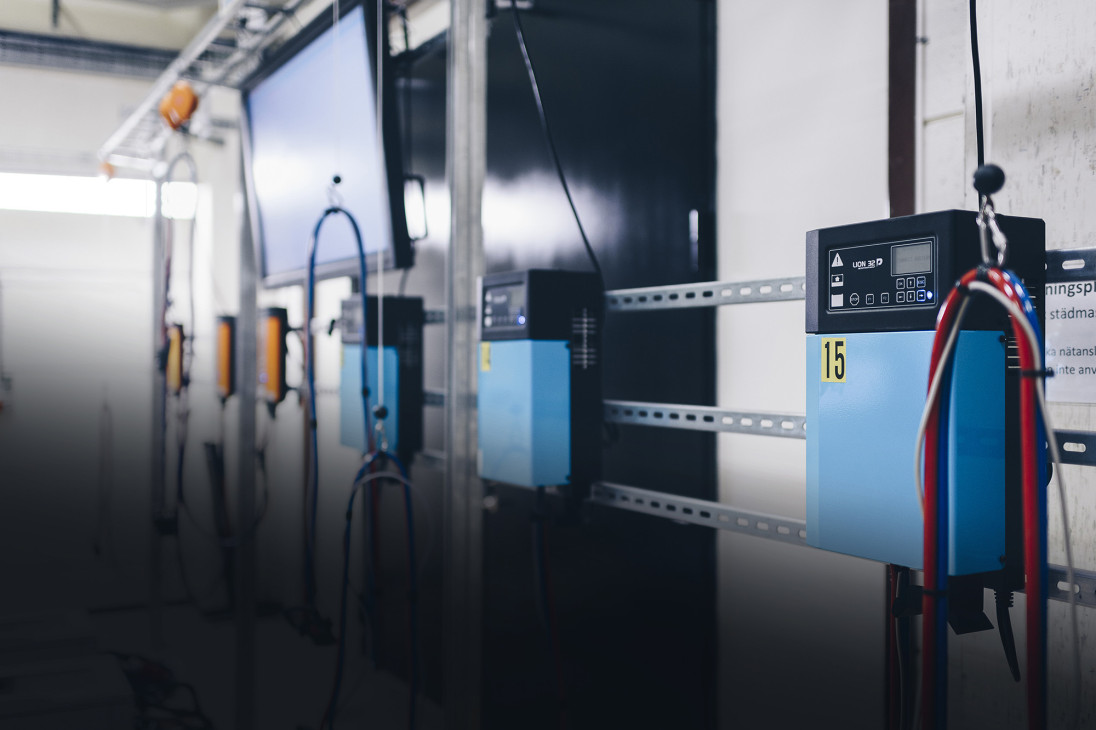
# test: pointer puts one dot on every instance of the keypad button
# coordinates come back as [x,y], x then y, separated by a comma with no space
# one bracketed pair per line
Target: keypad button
[854,299]
[900,297]
[870,299]
[884,298]
[900,283]
[921,282]
[921,295]
[909,282]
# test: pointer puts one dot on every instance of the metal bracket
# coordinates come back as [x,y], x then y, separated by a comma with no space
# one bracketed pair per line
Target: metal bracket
[1084,585]
[434,316]
[705,294]
[705,418]
[433,398]
[1071,264]
[208,60]
[1077,447]
[699,512]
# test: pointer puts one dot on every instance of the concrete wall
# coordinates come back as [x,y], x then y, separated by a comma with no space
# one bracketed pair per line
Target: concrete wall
[802,144]
[802,126]
[1040,109]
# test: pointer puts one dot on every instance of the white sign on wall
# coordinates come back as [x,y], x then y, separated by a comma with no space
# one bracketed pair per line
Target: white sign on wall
[1071,341]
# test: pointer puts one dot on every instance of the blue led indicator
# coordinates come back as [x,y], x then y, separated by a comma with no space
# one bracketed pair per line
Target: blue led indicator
[521,319]
[928,294]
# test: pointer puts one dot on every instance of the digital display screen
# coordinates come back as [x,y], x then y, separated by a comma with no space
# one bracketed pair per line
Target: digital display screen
[309,122]
[913,258]
[504,306]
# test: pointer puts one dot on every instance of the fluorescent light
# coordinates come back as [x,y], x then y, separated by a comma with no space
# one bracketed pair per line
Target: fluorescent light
[93,196]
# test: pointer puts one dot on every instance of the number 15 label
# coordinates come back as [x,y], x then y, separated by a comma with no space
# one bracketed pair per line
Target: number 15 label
[833,359]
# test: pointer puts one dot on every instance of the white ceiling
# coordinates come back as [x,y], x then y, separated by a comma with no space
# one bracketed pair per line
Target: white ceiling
[168,24]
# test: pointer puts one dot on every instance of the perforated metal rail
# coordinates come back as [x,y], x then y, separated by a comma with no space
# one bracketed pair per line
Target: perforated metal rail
[699,512]
[1077,447]
[705,294]
[1071,264]
[705,418]
[781,529]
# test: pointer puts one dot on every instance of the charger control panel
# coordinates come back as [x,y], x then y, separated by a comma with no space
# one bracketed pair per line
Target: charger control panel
[883,275]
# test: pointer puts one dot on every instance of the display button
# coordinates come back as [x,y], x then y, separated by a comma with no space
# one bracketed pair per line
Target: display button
[909,282]
[900,297]
[837,280]
[921,295]
[854,299]
[884,298]
[921,281]
[900,283]
[837,300]
[870,299]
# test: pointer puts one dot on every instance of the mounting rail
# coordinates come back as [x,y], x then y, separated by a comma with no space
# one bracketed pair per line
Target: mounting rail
[705,418]
[705,294]
[781,529]
[223,53]
[1071,264]
[699,512]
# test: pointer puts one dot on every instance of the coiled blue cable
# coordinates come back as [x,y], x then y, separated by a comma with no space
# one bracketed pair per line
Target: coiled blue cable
[329,715]
[314,467]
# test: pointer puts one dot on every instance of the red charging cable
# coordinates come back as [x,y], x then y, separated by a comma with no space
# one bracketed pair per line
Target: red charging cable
[934,669]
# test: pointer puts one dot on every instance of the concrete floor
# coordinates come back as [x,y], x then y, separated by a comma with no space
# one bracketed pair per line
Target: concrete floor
[294,676]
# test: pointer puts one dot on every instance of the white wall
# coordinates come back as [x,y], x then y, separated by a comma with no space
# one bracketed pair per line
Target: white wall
[802,144]
[116,21]
[77,333]
[76,322]
[1040,105]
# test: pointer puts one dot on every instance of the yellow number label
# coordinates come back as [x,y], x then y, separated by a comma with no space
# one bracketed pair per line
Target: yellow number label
[485,356]
[833,359]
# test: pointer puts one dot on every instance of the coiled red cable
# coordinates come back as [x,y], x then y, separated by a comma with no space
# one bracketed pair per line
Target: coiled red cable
[934,647]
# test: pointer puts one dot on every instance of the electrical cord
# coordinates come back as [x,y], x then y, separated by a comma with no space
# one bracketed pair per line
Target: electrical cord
[1010,293]
[362,480]
[155,687]
[547,601]
[935,564]
[105,483]
[310,367]
[1034,504]
[930,402]
[407,139]
[1028,322]
[248,534]
[978,130]
[193,597]
[550,142]
[186,342]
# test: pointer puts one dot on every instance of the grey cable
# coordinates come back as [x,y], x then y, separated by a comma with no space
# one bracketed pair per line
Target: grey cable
[1052,443]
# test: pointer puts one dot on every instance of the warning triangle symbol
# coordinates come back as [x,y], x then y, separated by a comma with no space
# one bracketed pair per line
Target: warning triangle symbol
[837,260]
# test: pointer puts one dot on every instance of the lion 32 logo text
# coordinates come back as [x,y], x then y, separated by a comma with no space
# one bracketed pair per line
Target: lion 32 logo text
[868,264]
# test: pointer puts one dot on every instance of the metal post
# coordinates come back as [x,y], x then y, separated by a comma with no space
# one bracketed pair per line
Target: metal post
[246,367]
[466,152]
[159,423]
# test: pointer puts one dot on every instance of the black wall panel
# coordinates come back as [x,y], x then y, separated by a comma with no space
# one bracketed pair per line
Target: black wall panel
[628,90]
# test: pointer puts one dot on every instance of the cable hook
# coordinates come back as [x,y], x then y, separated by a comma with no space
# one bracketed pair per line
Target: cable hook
[989,231]
[989,179]
[334,197]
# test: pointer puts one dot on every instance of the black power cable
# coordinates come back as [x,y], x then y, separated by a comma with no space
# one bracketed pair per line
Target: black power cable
[551,143]
[979,132]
